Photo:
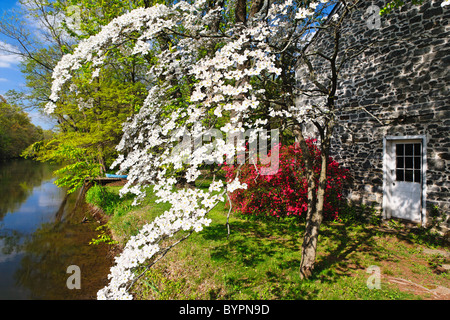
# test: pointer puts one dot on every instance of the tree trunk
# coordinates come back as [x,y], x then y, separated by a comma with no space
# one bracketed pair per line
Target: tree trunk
[101,160]
[316,199]
[240,11]
[314,219]
[316,202]
[255,7]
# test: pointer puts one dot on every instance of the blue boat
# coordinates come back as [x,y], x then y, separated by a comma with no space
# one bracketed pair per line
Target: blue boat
[108,175]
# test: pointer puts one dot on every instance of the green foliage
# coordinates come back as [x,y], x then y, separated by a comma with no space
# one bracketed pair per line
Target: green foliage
[77,164]
[394,4]
[436,261]
[74,175]
[91,15]
[37,72]
[426,236]
[103,236]
[111,203]
[128,221]
[100,197]
[86,138]
[16,130]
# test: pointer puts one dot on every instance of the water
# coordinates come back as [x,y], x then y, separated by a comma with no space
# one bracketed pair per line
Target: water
[41,235]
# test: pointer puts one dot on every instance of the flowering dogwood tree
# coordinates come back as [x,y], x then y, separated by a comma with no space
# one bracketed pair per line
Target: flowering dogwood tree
[224,62]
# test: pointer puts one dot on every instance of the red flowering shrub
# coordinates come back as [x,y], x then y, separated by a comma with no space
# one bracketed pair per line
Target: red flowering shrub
[285,193]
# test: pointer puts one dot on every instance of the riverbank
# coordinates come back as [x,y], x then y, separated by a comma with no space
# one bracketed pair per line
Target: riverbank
[260,259]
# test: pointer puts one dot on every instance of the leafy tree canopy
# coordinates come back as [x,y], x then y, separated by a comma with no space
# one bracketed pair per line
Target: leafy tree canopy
[16,130]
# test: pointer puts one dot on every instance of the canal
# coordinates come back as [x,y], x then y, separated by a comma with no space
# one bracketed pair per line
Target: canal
[42,234]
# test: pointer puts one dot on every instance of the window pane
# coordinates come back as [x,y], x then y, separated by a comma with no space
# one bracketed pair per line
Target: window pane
[400,175]
[417,176]
[400,162]
[409,162]
[409,175]
[417,149]
[399,149]
[417,161]
[408,149]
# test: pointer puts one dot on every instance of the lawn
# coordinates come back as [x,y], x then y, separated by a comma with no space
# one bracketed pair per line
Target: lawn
[260,259]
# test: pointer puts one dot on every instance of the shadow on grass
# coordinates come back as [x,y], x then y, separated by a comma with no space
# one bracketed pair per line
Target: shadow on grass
[249,244]
[347,244]
[273,248]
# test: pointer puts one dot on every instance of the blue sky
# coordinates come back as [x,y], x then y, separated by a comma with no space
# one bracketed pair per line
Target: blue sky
[10,75]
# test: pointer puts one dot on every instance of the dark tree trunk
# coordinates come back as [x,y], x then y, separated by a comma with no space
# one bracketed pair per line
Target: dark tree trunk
[240,11]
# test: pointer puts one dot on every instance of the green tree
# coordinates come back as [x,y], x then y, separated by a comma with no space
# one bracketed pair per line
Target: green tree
[16,130]
[88,129]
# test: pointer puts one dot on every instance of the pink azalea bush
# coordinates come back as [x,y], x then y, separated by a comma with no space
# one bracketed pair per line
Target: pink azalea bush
[286,192]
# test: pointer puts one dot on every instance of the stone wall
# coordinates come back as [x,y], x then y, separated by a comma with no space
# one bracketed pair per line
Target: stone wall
[398,86]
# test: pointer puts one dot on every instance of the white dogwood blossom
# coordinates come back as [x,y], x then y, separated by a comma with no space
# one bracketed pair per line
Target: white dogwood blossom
[150,138]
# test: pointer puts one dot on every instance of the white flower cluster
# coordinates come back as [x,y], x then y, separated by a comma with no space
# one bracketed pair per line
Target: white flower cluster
[236,184]
[217,75]
[188,211]
[304,13]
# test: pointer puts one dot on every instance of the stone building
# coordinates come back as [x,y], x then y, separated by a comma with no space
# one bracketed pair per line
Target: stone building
[393,109]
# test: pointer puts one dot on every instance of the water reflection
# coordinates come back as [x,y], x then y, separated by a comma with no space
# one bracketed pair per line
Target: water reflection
[17,180]
[41,235]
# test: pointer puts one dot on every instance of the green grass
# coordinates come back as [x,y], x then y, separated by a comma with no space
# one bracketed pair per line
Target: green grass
[127,224]
[260,259]
[109,200]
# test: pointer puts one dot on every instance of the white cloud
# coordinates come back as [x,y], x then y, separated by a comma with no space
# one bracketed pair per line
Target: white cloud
[3,80]
[7,59]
